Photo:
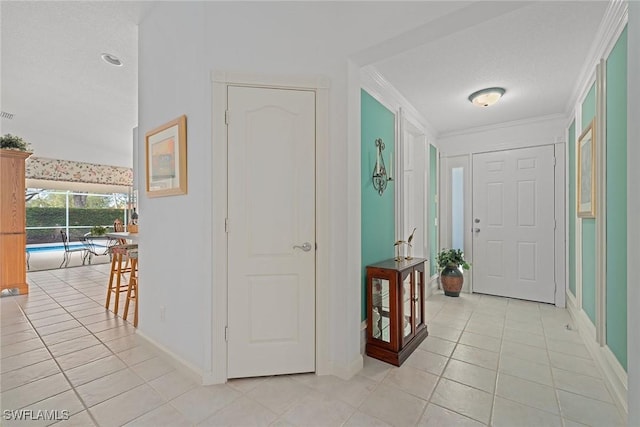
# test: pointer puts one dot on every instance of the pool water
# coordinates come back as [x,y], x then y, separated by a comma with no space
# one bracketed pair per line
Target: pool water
[56,248]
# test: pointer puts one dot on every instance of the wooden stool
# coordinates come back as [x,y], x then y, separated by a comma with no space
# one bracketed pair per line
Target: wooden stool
[132,289]
[117,270]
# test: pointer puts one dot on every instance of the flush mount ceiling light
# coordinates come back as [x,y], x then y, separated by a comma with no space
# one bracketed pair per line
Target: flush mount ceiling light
[486,97]
[111,59]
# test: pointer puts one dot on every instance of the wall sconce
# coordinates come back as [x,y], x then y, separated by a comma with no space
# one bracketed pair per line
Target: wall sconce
[380,177]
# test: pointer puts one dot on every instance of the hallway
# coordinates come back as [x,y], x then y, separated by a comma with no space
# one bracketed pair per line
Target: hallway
[487,361]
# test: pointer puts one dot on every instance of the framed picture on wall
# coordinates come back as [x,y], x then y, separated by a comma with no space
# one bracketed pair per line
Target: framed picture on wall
[166,152]
[586,191]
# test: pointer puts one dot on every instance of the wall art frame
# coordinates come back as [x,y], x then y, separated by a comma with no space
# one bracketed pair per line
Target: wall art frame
[586,182]
[166,159]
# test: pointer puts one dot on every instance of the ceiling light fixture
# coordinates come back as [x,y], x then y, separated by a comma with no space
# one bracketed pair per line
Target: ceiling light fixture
[486,97]
[111,59]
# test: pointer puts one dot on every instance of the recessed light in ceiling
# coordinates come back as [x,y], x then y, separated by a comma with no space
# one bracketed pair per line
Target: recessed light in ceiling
[486,97]
[111,59]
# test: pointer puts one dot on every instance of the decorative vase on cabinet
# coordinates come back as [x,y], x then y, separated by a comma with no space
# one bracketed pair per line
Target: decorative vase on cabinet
[395,309]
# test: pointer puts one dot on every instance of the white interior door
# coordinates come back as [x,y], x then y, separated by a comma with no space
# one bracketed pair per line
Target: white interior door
[271,282]
[414,183]
[513,222]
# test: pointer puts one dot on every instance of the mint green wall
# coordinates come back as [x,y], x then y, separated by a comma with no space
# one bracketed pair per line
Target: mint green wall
[589,228]
[572,207]
[433,207]
[378,214]
[617,200]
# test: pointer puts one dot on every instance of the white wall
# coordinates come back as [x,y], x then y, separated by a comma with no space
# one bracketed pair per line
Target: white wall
[633,207]
[180,44]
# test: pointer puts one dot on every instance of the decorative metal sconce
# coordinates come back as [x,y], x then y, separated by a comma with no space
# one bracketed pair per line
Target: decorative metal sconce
[380,177]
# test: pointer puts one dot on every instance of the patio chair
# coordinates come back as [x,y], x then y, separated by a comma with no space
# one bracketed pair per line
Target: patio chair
[68,250]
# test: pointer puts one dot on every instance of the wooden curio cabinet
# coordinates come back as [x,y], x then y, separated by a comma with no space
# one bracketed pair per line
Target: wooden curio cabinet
[395,309]
[13,272]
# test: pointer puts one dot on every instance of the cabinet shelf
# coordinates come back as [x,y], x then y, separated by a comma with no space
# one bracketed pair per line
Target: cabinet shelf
[395,309]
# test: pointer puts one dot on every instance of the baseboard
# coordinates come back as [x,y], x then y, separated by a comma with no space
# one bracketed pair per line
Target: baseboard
[348,371]
[187,368]
[614,374]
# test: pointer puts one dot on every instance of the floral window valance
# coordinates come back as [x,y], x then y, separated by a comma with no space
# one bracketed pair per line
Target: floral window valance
[65,170]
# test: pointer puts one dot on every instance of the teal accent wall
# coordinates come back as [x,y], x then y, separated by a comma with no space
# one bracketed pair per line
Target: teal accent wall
[589,228]
[572,207]
[378,213]
[617,200]
[433,207]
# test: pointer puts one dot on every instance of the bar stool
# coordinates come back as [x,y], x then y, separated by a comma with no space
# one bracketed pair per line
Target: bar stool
[118,252]
[132,289]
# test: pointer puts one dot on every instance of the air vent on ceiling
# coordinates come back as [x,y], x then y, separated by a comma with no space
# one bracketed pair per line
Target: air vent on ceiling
[5,115]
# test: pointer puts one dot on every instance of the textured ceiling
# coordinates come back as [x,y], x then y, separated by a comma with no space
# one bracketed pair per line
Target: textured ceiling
[67,102]
[72,105]
[536,52]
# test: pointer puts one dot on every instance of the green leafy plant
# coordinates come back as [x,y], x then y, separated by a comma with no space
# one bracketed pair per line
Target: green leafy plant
[12,142]
[98,230]
[451,258]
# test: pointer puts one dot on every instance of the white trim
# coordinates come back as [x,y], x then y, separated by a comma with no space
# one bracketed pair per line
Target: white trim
[601,205]
[559,232]
[503,125]
[384,92]
[220,81]
[613,373]
[186,368]
[611,26]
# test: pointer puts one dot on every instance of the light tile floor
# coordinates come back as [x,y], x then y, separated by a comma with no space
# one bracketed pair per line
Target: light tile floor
[487,361]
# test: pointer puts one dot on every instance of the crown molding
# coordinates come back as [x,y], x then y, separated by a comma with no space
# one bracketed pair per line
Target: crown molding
[611,26]
[384,92]
[503,125]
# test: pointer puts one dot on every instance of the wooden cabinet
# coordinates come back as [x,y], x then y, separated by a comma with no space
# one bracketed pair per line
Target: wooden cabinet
[395,309]
[13,272]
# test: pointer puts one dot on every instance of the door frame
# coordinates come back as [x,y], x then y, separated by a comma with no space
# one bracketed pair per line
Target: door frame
[220,81]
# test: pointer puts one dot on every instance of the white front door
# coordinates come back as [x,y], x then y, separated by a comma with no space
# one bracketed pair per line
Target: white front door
[513,223]
[271,282]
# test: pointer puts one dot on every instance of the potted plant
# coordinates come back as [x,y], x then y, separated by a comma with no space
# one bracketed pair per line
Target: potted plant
[12,142]
[98,230]
[449,263]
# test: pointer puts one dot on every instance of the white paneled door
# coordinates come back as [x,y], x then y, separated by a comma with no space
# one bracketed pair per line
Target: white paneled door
[513,223]
[271,231]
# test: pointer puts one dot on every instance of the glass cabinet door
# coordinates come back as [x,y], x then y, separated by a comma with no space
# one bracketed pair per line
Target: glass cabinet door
[407,306]
[418,295]
[380,309]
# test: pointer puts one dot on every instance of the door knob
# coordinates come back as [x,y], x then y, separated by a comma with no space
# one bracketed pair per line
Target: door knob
[306,246]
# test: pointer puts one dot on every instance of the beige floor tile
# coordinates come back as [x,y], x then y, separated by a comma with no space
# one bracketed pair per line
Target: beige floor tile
[437,416]
[127,406]
[574,364]
[279,393]
[438,346]
[445,332]
[199,403]
[360,419]
[525,352]
[21,347]
[528,393]
[244,385]
[507,413]
[152,368]
[72,360]
[104,388]
[81,419]
[241,412]
[588,411]
[93,370]
[67,335]
[73,345]
[172,385]
[471,375]
[413,381]
[581,384]
[375,369]
[480,341]
[318,410]
[427,361]
[22,376]
[477,356]
[393,406]
[35,391]
[22,360]
[165,415]
[525,369]
[463,399]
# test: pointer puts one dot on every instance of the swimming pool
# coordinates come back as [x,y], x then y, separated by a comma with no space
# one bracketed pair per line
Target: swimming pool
[60,247]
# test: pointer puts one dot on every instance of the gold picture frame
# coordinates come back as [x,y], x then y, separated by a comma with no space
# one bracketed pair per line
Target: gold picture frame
[166,159]
[586,183]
